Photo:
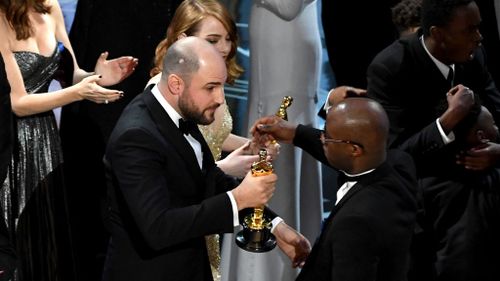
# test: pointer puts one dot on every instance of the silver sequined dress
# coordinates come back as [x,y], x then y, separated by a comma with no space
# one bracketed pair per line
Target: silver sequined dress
[33,197]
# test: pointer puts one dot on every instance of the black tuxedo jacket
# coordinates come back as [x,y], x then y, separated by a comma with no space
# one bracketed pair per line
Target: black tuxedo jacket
[367,235]
[464,212]
[412,90]
[162,203]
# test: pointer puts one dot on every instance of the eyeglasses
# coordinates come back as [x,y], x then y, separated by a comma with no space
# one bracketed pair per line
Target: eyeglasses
[325,141]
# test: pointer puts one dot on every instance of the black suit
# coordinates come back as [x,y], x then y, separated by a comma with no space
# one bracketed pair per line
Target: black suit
[162,204]
[464,210]
[367,235]
[410,87]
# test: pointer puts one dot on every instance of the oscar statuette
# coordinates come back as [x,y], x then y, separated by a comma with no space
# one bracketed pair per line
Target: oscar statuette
[285,103]
[256,235]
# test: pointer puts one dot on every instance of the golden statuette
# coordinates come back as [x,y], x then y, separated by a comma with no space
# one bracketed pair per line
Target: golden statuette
[256,235]
[285,103]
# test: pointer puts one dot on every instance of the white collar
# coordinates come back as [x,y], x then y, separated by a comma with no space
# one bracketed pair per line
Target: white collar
[444,68]
[172,113]
[360,174]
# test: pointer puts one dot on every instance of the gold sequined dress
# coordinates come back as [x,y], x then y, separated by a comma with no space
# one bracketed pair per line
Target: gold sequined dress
[214,135]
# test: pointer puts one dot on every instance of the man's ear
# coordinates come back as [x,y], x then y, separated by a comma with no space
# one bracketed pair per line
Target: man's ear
[437,34]
[356,150]
[182,35]
[175,84]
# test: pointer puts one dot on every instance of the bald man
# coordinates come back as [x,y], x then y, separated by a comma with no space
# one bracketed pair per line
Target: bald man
[166,193]
[367,235]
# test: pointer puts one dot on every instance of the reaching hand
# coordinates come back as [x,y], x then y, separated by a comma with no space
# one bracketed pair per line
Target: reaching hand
[293,244]
[480,158]
[116,70]
[237,164]
[341,93]
[272,148]
[271,128]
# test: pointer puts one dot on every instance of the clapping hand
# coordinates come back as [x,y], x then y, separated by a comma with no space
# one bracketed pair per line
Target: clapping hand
[116,70]
[90,89]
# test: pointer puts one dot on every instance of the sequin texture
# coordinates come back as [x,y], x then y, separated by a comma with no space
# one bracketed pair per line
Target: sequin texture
[33,197]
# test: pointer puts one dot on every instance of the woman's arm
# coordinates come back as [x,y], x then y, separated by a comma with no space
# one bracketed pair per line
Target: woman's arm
[232,142]
[24,104]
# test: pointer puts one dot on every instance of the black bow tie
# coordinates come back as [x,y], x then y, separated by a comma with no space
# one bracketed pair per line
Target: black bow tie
[187,126]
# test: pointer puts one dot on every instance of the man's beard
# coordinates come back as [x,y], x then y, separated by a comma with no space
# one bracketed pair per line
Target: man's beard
[191,112]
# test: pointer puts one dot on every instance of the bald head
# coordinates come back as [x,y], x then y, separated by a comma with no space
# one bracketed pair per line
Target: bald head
[186,56]
[362,121]
[193,78]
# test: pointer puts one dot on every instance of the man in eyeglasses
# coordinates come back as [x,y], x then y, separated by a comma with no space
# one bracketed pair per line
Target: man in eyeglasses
[367,235]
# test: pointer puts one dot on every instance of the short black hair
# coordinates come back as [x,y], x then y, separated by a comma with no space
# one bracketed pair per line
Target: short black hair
[406,14]
[439,12]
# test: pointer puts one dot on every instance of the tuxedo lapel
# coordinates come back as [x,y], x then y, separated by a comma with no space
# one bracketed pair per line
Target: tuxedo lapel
[208,159]
[428,69]
[173,135]
[362,182]
[354,189]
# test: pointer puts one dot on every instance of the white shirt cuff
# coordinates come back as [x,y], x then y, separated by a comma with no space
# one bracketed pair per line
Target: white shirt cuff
[236,219]
[446,138]
[275,222]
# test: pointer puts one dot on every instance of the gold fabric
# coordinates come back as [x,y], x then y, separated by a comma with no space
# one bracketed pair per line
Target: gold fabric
[213,248]
[218,131]
[215,134]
